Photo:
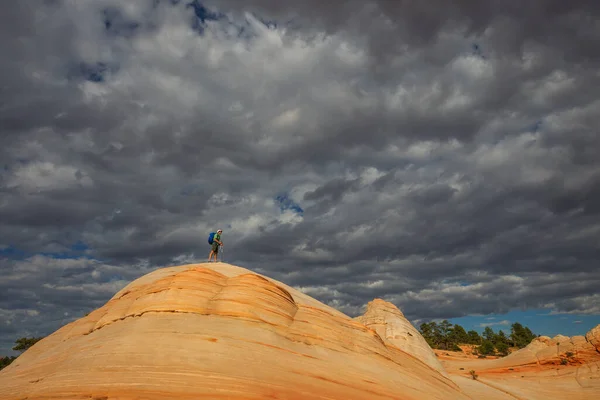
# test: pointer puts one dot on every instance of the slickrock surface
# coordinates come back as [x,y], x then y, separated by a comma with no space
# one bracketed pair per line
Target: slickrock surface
[531,383]
[544,350]
[593,336]
[535,372]
[216,331]
[391,325]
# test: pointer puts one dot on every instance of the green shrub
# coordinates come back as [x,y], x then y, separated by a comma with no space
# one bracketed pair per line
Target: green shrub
[454,347]
[486,348]
[5,361]
[502,348]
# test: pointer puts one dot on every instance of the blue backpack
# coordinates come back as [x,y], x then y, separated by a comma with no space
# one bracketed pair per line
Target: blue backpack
[210,237]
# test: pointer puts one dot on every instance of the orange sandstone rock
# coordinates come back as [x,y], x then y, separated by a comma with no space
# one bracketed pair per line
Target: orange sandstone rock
[391,325]
[593,337]
[534,372]
[216,331]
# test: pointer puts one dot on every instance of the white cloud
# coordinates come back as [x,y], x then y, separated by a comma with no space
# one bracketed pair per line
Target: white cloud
[431,182]
[36,176]
[490,324]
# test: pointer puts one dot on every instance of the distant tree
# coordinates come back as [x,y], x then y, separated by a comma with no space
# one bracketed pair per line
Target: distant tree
[488,334]
[445,331]
[438,336]
[427,333]
[502,348]
[521,336]
[486,348]
[501,339]
[432,334]
[518,335]
[5,361]
[454,347]
[529,336]
[474,337]
[459,335]
[446,336]
[22,344]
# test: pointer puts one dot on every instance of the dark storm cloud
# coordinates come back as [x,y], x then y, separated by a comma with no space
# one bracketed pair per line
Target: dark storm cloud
[554,23]
[440,156]
[333,190]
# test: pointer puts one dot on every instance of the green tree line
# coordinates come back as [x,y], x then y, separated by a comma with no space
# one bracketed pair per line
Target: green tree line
[21,345]
[446,336]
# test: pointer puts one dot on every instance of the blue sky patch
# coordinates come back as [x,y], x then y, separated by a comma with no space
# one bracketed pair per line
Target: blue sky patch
[286,203]
[540,321]
[12,253]
[76,251]
[79,247]
[202,14]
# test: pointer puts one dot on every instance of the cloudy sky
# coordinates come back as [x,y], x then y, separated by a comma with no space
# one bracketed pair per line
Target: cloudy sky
[440,156]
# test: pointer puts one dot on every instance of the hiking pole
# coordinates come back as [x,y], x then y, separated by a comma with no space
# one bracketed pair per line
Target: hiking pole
[221,253]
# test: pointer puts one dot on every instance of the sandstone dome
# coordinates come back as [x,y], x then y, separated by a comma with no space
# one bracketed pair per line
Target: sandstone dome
[217,331]
[395,330]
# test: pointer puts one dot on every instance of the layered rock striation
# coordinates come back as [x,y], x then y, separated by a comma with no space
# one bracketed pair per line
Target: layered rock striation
[545,350]
[561,367]
[216,331]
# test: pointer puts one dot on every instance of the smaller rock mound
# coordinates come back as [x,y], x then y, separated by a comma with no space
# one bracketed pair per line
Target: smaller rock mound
[593,337]
[545,350]
[393,327]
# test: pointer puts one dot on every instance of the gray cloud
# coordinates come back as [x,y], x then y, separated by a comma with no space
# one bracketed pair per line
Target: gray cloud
[443,158]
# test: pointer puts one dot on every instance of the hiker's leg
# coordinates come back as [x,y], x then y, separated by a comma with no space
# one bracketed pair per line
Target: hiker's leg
[210,255]
[215,249]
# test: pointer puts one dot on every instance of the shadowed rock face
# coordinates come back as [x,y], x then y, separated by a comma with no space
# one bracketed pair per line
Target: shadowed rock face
[391,325]
[216,331]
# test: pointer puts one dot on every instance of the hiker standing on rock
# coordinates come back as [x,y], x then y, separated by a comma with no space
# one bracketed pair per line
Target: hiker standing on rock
[216,243]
